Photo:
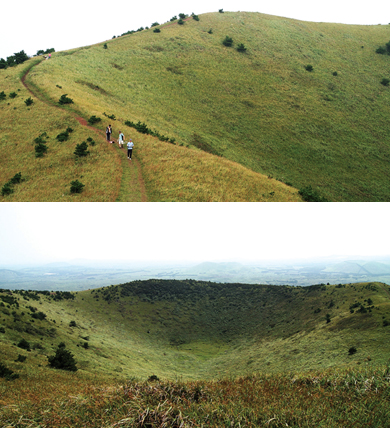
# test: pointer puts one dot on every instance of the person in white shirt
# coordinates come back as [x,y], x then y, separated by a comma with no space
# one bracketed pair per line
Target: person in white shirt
[130,146]
[121,138]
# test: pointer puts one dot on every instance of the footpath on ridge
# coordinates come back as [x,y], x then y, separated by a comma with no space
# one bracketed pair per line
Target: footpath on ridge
[132,188]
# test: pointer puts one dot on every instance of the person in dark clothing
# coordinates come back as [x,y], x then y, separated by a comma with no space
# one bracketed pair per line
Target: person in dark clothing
[108,133]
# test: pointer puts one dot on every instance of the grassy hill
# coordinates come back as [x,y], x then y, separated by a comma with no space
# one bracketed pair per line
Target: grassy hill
[193,335]
[239,120]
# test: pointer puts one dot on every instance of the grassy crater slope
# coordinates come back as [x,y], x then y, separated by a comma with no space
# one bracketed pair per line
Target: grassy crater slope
[199,329]
[295,368]
[261,108]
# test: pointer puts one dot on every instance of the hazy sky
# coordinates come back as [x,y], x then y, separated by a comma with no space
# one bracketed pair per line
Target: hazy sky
[41,24]
[47,232]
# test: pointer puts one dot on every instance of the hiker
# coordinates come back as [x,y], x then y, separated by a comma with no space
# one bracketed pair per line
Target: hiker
[130,146]
[120,140]
[108,133]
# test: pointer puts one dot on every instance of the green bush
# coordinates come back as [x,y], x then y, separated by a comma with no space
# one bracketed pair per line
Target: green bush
[76,186]
[309,67]
[220,11]
[7,373]
[91,141]
[63,359]
[182,16]
[40,150]
[21,359]
[180,22]
[7,189]
[105,46]
[72,324]
[156,30]
[154,24]
[174,18]
[228,41]
[385,82]
[352,350]
[93,119]
[64,136]
[29,101]
[195,17]
[3,96]
[23,344]
[241,48]
[65,100]
[310,195]
[81,149]
[13,95]
[16,179]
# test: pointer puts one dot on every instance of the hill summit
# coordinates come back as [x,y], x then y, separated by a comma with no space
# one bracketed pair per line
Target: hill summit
[286,105]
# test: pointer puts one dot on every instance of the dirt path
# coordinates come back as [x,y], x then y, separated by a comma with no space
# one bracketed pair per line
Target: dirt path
[132,188]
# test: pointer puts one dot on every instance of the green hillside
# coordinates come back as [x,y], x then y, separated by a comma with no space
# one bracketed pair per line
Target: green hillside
[220,354]
[202,329]
[260,113]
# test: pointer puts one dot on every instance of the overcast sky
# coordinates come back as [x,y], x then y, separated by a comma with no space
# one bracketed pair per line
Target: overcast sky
[41,24]
[48,232]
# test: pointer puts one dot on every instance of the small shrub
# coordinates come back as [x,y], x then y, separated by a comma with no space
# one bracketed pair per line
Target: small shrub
[182,16]
[93,119]
[91,141]
[241,48]
[16,179]
[13,95]
[7,189]
[81,149]
[327,317]
[180,22]
[210,31]
[154,24]
[195,17]
[310,195]
[7,373]
[3,96]
[29,101]
[153,378]
[352,350]
[21,359]
[76,186]
[85,345]
[40,150]
[69,130]
[63,136]
[334,73]
[385,82]
[63,359]
[174,18]
[156,30]
[105,46]
[228,41]
[23,344]
[220,11]
[309,67]
[386,323]
[381,50]
[65,100]
[72,324]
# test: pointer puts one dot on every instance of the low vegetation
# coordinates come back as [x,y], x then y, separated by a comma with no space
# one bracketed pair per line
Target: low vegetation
[191,353]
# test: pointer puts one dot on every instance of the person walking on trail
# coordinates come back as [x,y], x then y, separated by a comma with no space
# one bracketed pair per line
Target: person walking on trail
[120,140]
[130,146]
[108,133]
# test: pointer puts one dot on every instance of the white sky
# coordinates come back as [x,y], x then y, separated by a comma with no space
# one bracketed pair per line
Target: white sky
[47,232]
[41,24]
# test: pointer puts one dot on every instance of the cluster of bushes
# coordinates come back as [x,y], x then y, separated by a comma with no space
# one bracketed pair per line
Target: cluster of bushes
[13,60]
[3,95]
[143,129]
[228,41]
[64,136]
[40,145]
[384,50]
[8,187]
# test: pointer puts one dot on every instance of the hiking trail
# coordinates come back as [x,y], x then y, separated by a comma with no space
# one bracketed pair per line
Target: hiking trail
[132,187]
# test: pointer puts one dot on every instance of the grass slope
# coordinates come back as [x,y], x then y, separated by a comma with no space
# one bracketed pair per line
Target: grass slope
[295,367]
[261,108]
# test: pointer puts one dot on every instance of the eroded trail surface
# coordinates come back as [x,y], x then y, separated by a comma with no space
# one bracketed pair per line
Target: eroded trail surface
[132,187]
